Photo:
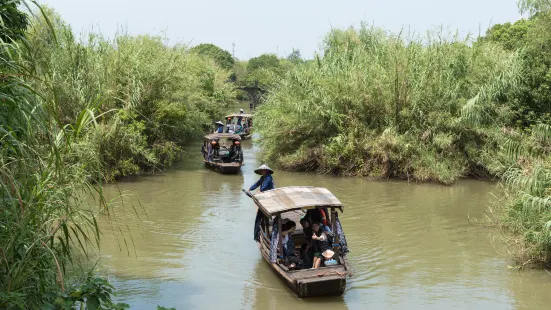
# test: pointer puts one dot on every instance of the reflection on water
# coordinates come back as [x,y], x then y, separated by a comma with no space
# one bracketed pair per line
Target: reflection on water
[412,245]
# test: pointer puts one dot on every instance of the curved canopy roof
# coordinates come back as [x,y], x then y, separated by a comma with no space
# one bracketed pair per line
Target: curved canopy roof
[237,115]
[291,198]
[230,136]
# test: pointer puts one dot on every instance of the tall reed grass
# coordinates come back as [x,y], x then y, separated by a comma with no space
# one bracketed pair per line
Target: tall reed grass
[42,187]
[384,105]
[74,113]
[150,98]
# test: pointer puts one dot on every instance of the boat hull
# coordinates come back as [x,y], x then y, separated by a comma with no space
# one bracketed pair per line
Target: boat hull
[246,136]
[226,168]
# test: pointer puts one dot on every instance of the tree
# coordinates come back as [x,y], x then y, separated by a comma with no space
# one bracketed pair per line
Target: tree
[534,6]
[531,100]
[510,36]
[13,22]
[220,56]
[265,61]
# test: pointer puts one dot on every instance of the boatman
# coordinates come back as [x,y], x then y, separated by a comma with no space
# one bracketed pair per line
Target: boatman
[240,118]
[266,182]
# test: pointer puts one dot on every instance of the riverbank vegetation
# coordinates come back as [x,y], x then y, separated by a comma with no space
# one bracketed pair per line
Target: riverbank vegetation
[432,108]
[76,112]
[392,106]
[524,209]
[147,98]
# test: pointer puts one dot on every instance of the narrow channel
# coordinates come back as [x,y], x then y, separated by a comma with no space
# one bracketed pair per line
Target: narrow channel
[186,242]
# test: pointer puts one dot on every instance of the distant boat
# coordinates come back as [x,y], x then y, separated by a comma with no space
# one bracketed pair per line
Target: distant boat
[292,203]
[245,130]
[220,162]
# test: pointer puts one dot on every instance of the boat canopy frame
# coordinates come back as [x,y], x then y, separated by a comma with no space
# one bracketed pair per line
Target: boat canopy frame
[229,136]
[244,115]
[292,198]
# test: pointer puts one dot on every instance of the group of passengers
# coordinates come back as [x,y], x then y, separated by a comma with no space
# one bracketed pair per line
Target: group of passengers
[239,127]
[317,248]
[211,152]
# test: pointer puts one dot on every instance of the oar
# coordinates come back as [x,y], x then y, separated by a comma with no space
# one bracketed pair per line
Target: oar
[247,193]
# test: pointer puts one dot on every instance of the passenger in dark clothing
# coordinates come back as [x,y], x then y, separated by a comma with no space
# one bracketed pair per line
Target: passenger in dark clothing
[236,154]
[228,123]
[307,250]
[289,244]
[318,215]
[215,147]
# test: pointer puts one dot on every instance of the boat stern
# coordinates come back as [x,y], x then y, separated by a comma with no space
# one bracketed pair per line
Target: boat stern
[322,286]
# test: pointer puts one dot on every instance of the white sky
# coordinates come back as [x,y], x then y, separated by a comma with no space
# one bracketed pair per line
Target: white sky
[276,26]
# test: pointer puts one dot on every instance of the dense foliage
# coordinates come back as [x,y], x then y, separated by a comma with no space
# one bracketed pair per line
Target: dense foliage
[152,98]
[524,210]
[13,22]
[531,101]
[378,105]
[74,113]
[43,224]
[222,57]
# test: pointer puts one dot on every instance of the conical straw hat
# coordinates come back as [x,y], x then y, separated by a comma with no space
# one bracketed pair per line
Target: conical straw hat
[264,167]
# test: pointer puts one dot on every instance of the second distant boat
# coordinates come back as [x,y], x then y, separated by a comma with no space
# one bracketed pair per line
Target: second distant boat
[240,124]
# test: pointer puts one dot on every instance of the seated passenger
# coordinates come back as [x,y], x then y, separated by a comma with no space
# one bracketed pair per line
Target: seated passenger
[318,215]
[219,127]
[215,148]
[307,250]
[321,243]
[238,129]
[228,123]
[236,154]
[290,259]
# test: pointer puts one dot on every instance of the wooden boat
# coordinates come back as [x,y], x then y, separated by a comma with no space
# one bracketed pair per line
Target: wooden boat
[292,203]
[246,131]
[222,162]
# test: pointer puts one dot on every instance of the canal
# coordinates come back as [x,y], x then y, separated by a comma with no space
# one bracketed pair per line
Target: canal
[184,240]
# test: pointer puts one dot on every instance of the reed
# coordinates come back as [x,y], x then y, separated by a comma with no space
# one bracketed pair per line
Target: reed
[384,105]
[149,98]
[73,113]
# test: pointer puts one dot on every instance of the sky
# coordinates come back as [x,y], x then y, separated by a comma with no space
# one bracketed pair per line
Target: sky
[248,28]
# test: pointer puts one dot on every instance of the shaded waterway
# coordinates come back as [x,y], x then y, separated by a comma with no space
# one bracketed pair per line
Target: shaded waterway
[412,246]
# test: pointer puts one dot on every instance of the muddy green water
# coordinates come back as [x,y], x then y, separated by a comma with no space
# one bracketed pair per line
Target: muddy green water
[412,246]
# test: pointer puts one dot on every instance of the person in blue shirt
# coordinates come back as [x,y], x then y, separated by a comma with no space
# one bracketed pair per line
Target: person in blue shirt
[266,182]
[219,127]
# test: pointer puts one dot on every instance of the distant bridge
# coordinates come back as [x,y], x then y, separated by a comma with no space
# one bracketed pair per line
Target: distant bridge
[254,93]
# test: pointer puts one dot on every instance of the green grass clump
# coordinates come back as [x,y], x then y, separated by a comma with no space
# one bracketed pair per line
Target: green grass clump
[382,105]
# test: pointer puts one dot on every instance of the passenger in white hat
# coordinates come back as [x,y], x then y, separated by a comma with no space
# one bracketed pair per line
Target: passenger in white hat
[219,127]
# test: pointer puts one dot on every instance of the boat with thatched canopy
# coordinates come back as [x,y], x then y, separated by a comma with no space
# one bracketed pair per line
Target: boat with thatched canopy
[291,204]
[244,127]
[218,157]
